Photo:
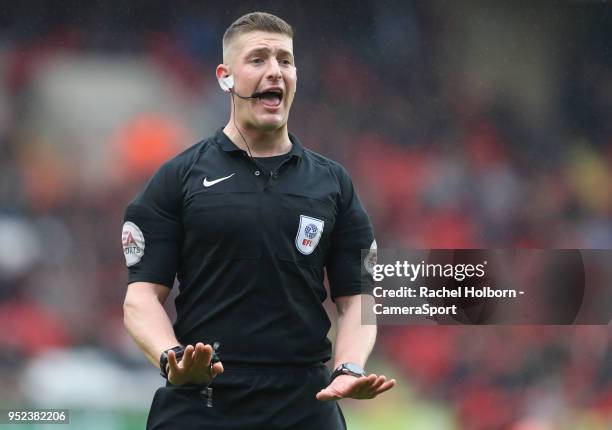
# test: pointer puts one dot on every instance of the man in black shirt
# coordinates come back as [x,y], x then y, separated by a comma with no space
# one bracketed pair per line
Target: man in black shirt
[247,221]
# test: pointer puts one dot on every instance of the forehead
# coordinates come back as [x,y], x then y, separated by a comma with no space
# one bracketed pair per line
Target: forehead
[252,40]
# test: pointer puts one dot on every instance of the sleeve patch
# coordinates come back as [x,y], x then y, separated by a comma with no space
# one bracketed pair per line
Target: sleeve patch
[370,260]
[133,243]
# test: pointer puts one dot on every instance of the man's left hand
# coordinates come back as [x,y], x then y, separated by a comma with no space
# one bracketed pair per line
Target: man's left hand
[347,386]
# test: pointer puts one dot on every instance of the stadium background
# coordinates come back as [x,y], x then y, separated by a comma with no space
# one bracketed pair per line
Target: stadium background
[464,124]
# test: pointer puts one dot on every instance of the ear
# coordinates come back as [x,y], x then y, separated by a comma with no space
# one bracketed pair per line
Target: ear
[225,79]
[222,71]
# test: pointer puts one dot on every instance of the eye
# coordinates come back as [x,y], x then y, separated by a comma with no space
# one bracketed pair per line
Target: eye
[256,60]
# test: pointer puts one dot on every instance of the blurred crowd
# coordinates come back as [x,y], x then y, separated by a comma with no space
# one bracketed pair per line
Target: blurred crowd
[461,129]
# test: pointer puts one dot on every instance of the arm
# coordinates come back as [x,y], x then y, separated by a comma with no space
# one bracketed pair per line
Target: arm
[352,232]
[147,322]
[152,240]
[354,342]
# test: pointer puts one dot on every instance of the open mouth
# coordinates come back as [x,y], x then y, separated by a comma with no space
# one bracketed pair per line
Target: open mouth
[271,98]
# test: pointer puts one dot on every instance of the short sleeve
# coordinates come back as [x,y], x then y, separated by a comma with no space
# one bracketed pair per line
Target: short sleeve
[152,230]
[352,233]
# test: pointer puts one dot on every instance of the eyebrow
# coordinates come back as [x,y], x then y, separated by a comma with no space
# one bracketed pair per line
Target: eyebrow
[266,50]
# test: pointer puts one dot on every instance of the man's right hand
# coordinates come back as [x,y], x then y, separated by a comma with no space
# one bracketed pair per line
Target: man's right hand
[194,367]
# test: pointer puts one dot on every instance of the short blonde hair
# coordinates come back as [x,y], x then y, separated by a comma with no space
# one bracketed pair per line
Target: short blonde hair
[255,21]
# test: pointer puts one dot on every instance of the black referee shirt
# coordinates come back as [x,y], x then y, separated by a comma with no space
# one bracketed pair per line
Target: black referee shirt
[249,247]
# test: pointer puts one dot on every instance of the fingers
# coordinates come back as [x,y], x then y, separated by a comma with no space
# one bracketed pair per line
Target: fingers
[173,366]
[386,387]
[194,367]
[343,386]
[369,387]
[365,387]
[378,383]
[370,380]
[216,369]
[362,386]
[202,355]
[379,386]
[196,357]
[187,356]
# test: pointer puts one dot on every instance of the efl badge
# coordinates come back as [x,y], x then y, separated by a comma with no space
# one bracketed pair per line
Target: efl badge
[308,235]
[133,243]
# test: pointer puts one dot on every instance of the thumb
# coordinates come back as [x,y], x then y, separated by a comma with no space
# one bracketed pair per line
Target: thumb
[326,394]
[217,368]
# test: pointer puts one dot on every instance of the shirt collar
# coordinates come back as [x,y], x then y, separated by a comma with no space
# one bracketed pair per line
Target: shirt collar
[297,150]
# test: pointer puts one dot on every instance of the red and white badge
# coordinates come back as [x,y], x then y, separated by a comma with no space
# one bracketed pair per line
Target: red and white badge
[133,243]
[309,233]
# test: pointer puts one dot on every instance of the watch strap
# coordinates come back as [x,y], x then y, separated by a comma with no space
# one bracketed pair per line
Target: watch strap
[348,369]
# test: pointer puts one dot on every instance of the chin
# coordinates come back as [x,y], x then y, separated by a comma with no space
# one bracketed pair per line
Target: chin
[269,124]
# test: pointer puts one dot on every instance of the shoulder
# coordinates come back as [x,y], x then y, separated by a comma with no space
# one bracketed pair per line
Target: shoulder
[338,175]
[176,171]
[335,168]
[181,163]
[168,181]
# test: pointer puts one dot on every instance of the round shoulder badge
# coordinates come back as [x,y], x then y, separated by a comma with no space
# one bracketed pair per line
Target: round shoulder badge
[370,260]
[133,243]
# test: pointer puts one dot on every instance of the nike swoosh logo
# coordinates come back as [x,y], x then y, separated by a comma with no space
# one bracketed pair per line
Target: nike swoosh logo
[216,181]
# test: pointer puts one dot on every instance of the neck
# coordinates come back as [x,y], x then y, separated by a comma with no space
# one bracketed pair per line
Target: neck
[262,143]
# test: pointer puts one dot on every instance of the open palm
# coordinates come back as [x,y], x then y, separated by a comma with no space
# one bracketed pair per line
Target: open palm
[364,387]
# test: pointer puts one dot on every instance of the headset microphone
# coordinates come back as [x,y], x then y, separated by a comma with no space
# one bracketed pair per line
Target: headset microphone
[255,96]
[227,84]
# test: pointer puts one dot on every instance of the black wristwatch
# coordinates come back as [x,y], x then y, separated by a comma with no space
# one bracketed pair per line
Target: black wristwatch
[348,369]
[163,359]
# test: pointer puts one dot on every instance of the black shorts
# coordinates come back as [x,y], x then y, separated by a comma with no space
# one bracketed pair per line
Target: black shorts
[250,399]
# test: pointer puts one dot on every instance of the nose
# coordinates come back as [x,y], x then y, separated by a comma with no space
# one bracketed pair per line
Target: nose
[274,71]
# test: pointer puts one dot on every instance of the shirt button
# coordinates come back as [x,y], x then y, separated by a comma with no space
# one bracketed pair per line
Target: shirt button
[257,172]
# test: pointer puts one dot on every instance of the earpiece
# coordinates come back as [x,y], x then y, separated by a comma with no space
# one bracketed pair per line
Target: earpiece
[226,83]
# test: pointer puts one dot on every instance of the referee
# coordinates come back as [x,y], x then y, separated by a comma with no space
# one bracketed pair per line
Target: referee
[247,221]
